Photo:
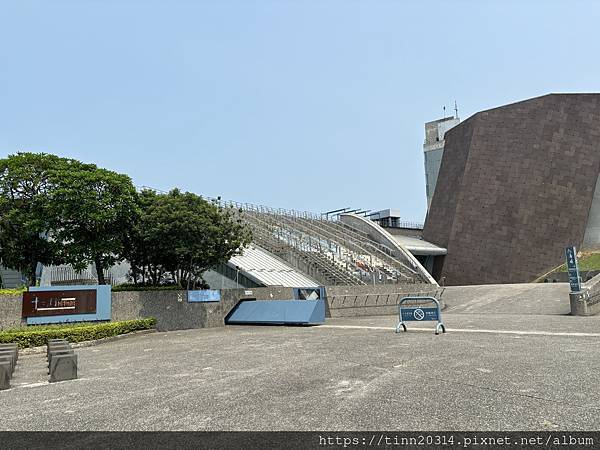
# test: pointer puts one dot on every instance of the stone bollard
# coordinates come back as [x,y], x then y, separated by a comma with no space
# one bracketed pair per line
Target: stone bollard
[52,343]
[63,367]
[62,361]
[10,360]
[12,346]
[57,348]
[10,351]
[5,375]
[58,352]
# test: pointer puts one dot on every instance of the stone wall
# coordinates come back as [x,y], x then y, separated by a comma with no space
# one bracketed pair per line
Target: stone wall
[170,308]
[515,188]
[173,312]
[10,311]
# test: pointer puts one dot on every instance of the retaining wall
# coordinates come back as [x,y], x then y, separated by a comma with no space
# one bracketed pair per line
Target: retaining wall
[173,312]
[354,301]
[10,311]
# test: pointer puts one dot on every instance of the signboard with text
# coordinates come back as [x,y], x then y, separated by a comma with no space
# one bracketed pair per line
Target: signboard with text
[58,303]
[573,269]
[62,304]
[206,295]
[419,314]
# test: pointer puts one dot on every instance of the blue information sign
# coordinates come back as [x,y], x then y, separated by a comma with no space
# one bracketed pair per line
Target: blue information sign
[208,295]
[573,269]
[419,314]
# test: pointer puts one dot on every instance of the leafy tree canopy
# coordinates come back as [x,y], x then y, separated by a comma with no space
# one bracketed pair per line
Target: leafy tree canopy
[92,211]
[56,210]
[181,235]
[26,179]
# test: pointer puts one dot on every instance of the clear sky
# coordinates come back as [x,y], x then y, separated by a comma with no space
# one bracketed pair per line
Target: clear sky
[311,105]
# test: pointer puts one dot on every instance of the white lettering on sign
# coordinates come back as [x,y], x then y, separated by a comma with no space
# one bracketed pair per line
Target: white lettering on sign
[55,304]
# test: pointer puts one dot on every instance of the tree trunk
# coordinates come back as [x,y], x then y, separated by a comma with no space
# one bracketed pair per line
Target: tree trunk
[31,279]
[99,271]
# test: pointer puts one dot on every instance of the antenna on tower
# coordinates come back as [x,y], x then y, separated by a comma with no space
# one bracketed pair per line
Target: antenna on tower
[455,110]
[444,108]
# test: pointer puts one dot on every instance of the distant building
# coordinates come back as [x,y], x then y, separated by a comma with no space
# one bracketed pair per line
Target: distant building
[433,150]
[10,278]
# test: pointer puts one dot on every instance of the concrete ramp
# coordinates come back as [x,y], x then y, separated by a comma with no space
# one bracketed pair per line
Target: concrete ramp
[277,312]
[525,298]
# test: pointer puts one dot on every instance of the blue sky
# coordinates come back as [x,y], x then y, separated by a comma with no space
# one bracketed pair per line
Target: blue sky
[312,105]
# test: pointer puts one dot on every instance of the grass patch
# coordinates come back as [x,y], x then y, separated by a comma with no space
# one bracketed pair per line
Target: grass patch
[38,335]
[587,261]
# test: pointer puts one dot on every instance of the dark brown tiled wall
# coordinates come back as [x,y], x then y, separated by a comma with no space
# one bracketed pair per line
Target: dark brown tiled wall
[515,187]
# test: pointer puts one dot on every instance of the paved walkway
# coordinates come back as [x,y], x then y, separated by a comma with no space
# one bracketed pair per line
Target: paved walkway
[352,374]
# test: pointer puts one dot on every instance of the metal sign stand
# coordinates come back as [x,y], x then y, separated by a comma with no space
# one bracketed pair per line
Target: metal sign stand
[573,269]
[420,314]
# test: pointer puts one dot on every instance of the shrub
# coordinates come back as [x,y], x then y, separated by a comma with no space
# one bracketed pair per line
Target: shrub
[15,291]
[38,335]
[141,287]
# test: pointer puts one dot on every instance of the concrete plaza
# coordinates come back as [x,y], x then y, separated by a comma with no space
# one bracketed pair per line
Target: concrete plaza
[491,371]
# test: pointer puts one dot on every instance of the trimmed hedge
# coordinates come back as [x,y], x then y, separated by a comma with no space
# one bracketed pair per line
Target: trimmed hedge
[134,287]
[37,336]
[16,291]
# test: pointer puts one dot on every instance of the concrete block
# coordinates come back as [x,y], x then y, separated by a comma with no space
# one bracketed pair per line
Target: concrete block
[13,346]
[13,352]
[53,342]
[9,345]
[63,367]
[58,352]
[54,345]
[584,304]
[10,360]
[55,348]
[5,375]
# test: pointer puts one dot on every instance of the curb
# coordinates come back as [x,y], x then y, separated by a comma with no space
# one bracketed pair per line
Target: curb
[42,349]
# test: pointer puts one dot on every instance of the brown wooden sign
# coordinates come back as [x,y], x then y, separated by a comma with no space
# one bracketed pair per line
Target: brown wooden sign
[57,303]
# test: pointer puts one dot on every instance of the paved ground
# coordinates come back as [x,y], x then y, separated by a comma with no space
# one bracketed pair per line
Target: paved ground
[489,372]
[524,298]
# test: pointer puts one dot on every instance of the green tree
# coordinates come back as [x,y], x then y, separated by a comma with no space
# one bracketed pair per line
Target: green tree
[26,180]
[92,212]
[179,236]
